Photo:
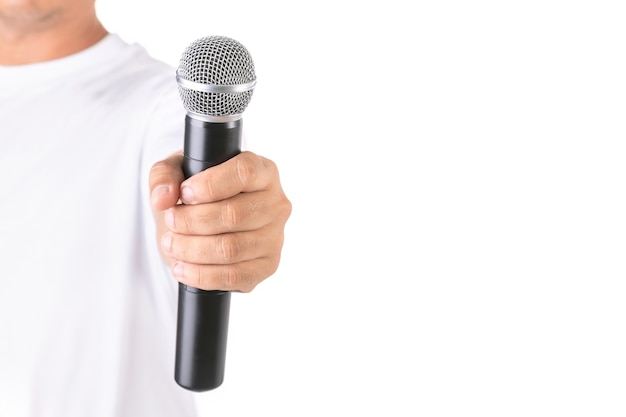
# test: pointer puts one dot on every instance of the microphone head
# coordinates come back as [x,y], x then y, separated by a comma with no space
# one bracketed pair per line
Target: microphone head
[216,78]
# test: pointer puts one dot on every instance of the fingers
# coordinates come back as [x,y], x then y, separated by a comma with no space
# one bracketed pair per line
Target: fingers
[227,248]
[244,173]
[165,179]
[242,277]
[236,261]
[245,211]
[228,234]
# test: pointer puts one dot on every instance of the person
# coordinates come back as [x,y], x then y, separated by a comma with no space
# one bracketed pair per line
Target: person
[93,237]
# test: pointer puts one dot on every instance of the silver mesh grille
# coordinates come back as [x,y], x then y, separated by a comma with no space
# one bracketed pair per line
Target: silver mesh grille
[217,61]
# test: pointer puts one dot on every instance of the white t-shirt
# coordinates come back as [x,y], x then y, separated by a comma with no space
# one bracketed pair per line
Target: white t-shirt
[87,307]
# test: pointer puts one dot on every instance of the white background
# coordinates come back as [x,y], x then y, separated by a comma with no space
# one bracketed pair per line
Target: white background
[457,173]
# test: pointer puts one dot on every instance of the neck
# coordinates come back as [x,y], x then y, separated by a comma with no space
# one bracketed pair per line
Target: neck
[29,38]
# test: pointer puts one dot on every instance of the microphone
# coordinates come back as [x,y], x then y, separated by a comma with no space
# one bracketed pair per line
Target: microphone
[215,80]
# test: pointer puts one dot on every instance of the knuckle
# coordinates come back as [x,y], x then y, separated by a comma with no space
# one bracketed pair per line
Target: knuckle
[273,265]
[232,277]
[269,165]
[231,215]
[209,189]
[158,171]
[286,206]
[279,241]
[185,223]
[248,169]
[160,165]
[282,208]
[229,248]
[195,277]
[199,277]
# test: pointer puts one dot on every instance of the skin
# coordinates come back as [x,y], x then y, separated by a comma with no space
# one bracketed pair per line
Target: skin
[228,233]
[40,30]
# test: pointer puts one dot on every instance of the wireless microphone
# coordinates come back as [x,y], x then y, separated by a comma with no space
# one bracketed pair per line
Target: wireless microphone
[216,79]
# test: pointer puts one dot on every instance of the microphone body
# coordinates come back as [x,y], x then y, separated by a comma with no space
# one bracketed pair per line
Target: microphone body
[202,326]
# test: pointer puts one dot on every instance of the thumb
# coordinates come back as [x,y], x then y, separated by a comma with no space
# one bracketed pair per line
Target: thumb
[165,179]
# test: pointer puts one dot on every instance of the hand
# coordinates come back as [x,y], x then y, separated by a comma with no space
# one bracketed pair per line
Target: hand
[228,233]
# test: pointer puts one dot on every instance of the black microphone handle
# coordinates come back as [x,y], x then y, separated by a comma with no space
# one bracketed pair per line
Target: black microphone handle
[202,327]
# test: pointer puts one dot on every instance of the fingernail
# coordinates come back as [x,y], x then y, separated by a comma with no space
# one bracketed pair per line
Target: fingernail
[159,191]
[166,242]
[187,195]
[169,218]
[178,270]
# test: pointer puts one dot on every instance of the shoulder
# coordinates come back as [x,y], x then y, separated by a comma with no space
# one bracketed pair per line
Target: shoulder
[145,71]
[139,81]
